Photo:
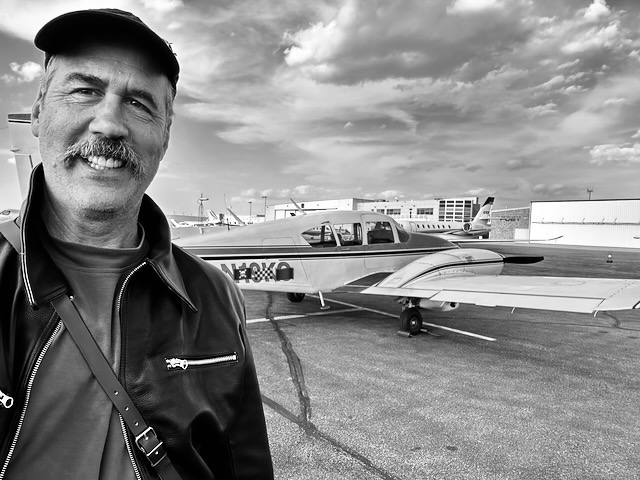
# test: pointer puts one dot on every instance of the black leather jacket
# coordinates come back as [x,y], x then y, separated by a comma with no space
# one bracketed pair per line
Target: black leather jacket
[172,306]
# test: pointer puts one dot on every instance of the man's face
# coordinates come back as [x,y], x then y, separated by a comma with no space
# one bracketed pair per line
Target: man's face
[101,92]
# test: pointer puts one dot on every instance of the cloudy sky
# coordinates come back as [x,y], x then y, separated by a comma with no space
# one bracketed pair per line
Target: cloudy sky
[416,99]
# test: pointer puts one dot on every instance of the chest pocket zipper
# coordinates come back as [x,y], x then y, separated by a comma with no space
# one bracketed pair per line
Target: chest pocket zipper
[177,363]
[6,401]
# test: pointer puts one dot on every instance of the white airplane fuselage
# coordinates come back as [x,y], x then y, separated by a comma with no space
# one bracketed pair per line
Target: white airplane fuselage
[276,256]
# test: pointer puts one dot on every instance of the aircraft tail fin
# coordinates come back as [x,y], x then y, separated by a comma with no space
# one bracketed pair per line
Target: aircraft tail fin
[24,147]
[237,219]
[298,207]
[484,214]
[213,218]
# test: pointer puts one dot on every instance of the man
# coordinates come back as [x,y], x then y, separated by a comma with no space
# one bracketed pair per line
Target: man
[170,326]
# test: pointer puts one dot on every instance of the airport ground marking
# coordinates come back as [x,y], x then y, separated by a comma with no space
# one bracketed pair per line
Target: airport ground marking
[454,330]
[355,308]
[301,315]
[462,332]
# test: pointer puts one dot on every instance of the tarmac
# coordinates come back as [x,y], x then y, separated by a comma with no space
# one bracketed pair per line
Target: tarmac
[496,395]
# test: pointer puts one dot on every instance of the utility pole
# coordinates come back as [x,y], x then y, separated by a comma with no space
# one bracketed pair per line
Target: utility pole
[265,207]
[250,211]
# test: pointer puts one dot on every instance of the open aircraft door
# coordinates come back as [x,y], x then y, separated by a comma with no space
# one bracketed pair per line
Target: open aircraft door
[381,237]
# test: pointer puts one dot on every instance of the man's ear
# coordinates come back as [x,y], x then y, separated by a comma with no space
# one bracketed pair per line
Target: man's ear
[35,114]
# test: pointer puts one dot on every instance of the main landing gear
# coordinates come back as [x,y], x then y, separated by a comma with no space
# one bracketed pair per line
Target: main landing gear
[410,321]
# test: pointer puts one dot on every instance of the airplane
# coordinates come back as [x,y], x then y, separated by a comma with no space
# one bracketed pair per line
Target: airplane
[479,226]
[367,252]
[370,253]
[211,221]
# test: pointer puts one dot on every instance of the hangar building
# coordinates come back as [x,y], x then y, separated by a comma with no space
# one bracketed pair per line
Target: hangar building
[460,209]
[510,224]
[608,223]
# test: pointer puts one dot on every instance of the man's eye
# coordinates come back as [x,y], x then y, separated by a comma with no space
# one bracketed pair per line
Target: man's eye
[85,91]
[136,104]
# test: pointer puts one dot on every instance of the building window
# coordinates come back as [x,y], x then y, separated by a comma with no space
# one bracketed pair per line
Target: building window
[424,211]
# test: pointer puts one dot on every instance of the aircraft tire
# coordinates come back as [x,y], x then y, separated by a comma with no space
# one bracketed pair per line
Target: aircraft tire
[411,320]
[295,297]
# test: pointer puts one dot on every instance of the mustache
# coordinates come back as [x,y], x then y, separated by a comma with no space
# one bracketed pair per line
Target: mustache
[109,148]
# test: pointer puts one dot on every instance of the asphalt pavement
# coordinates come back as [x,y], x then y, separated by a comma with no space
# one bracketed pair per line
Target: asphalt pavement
[495,395]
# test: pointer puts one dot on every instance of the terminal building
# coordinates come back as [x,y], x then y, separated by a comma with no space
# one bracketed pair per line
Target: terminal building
[461,209]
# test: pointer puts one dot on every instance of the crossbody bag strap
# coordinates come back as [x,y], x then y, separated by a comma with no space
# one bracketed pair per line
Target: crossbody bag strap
[145,436]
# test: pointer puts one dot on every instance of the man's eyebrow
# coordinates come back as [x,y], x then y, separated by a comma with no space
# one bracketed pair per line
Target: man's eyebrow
[96,81]
[86,78]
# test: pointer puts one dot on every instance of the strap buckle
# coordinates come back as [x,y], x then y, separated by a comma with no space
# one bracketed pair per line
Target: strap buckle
[151,446]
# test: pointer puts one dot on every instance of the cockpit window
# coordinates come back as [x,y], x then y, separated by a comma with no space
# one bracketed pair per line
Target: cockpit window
[320,237]
[379,232]
[349,234]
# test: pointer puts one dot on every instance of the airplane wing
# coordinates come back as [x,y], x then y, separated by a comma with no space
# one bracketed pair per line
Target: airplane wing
[361,284]
[567,294]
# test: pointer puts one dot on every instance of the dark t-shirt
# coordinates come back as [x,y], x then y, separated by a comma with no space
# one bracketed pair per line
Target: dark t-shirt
[71,429]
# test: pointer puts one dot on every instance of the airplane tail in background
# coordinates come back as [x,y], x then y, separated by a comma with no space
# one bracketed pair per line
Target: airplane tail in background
[24,147]
[237,219]
[298,207]
[484,214]
[213,218]
[481,223]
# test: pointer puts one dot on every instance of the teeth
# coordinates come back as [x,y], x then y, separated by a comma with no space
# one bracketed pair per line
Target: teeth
[102,163]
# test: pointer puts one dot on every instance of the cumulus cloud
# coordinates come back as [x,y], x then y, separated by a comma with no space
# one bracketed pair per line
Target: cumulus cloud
[620,154]
[23,73]
[162,6]
[553,190]
[596,11]
[593,39]
[474,6]
[391,194]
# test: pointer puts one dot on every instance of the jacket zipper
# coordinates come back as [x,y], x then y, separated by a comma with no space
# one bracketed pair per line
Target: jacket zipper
[23,413]
[175,363]
[125,431]
[127,443]
[6,401]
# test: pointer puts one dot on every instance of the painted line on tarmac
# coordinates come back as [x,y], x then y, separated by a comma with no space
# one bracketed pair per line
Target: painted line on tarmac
[461,332]
[301,315]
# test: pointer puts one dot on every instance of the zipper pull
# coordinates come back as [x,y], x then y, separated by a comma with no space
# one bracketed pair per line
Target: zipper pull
[173,363]
[5,400]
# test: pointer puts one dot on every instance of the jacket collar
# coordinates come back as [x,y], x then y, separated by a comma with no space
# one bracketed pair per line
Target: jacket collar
[44,281]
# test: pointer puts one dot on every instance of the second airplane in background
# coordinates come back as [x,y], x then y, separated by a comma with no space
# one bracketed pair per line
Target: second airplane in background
[478,227]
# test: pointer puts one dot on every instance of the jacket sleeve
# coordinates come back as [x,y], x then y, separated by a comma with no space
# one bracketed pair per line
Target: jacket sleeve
[248,440]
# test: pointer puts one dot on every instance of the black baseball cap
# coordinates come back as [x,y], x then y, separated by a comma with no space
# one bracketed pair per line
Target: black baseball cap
[70,28]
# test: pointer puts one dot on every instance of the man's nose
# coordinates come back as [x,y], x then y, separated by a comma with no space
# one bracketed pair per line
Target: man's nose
[109,118]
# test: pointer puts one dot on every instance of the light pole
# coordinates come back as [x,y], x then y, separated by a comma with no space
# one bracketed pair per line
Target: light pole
[265,207]
[201,200]
[250,211]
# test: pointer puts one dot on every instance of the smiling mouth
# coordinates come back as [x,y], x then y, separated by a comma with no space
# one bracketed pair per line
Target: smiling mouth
[103,163]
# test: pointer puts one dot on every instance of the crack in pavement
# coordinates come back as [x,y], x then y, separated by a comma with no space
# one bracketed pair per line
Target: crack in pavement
[304,419]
